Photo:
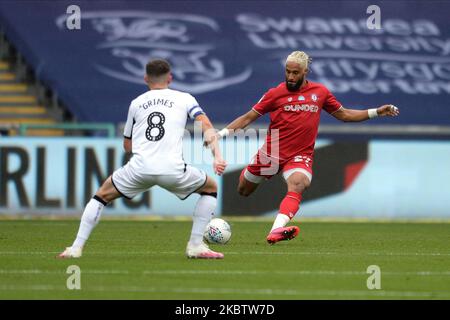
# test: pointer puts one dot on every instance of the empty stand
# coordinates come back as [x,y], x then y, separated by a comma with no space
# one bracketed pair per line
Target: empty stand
[19,105]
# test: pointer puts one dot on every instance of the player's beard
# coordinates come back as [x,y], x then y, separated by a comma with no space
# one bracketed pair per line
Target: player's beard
[294,86]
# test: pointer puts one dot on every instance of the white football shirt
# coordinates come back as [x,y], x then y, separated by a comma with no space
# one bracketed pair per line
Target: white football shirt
[155,123]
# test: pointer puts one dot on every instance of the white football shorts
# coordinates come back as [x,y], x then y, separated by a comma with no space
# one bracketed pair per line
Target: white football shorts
[130,183]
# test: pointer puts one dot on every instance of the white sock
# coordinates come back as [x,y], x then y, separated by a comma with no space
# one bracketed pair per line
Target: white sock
[90,218]
[203,212]
[280,221]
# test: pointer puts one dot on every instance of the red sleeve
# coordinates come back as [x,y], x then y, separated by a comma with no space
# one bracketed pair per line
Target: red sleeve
[331,105]
[265,104]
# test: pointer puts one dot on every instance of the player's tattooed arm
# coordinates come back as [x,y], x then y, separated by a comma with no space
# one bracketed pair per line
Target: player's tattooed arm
[239,123]
[244,120]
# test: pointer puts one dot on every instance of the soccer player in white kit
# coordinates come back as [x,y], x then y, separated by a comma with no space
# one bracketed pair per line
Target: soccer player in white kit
[153,133]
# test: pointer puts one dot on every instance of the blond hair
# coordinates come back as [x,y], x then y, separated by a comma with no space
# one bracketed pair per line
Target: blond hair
[299,57]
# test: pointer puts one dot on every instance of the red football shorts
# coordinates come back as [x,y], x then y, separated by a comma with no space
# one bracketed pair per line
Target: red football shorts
[263,167]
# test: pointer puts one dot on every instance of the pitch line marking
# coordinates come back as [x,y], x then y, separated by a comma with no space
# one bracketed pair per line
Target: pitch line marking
[228,272]
[327,253]
[233,291]
[37,271]
[315,253]
[296,272]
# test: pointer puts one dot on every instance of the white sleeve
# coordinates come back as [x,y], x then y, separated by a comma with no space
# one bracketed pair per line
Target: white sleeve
[193,109]
[128,129]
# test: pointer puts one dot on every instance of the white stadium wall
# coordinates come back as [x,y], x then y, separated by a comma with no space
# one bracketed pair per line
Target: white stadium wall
[392,179]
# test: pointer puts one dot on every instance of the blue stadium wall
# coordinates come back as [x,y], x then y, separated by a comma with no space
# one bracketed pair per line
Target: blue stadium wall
[375,179]
[228,53]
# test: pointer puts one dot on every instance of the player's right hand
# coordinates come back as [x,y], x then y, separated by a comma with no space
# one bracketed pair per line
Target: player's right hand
[219,166]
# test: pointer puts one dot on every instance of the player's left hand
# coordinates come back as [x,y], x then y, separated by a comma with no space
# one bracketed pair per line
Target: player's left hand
[388,110]
[219,166]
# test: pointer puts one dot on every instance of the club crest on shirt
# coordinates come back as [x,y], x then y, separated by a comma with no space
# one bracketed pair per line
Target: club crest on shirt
[314,97]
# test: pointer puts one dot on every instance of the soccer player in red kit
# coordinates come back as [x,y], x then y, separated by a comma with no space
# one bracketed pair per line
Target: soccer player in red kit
[294,107]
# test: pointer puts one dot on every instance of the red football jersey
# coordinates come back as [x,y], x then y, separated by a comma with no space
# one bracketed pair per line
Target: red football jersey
[296,116]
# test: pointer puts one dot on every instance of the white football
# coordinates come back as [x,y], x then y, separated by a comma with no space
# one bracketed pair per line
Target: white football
[218,231]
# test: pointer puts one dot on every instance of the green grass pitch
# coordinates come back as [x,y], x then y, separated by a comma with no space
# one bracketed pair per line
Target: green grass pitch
[145,260]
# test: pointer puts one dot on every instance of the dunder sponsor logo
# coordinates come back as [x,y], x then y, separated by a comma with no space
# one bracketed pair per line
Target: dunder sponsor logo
[301,107]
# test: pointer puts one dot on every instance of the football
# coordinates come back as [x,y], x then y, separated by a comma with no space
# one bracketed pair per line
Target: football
[218,231]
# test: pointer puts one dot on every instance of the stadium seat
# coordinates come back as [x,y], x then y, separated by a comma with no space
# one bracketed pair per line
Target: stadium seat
[19,105]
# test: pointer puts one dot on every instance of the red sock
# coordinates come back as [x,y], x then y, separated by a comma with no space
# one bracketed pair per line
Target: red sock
[290,204]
